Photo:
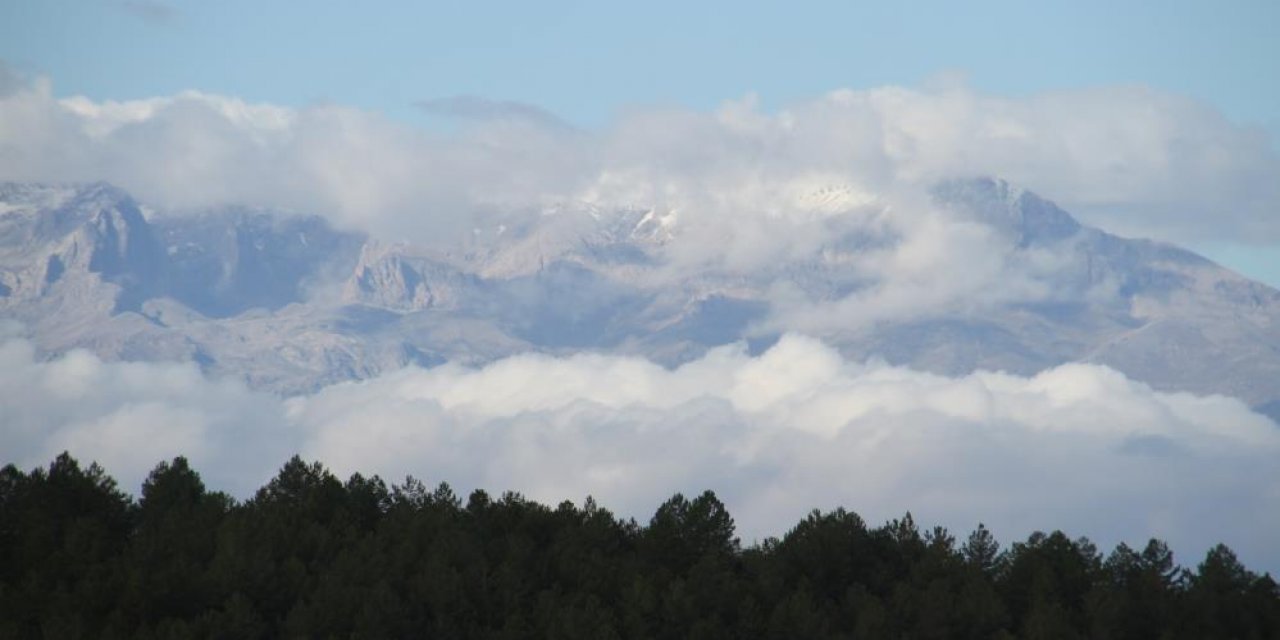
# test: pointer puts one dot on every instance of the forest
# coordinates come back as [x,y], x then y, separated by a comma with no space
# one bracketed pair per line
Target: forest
[312,556]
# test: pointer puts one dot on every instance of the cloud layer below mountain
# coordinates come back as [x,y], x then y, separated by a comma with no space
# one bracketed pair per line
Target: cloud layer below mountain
[1131,159]
[1077,447]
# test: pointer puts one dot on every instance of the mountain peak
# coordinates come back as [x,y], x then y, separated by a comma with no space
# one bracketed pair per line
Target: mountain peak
[393,276]
[1007,207]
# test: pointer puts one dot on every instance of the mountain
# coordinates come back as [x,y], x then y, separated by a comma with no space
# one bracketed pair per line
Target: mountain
[290,304]
[53,238]
[1158,313]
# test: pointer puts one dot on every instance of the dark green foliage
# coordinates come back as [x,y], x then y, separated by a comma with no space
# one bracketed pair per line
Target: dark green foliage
[64,533]
[311,556]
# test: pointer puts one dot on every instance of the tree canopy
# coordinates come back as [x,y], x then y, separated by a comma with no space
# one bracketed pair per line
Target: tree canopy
[310,555]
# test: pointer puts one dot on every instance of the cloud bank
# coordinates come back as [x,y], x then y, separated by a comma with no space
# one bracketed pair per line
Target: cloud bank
[1078,447]
[1131,159]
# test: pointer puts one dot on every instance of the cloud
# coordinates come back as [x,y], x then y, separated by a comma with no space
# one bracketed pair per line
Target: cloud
[194,150]
[469,107]
[1132,159]
[1078,447]
[11,81]
[131,415]
[841,181]
[151,11]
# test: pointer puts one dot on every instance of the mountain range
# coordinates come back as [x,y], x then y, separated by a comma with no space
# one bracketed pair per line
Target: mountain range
[289,303]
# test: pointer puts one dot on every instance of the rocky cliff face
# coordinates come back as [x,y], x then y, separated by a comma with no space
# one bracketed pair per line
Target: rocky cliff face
[223,263]
[57,238]
[394,277]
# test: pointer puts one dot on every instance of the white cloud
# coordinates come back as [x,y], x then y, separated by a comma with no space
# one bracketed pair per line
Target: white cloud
[1078,447]
[195,150]
[129,416]
[1132,159]
[745,190]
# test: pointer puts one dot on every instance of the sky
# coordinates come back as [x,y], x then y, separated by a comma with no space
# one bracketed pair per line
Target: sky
[587,61]
[1151,119]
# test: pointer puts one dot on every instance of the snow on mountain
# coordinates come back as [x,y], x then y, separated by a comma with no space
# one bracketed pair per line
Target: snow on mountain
[1025,216]
[290,304]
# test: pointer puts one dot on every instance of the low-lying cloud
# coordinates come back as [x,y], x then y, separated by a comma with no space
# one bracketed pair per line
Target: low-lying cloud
[1078,447]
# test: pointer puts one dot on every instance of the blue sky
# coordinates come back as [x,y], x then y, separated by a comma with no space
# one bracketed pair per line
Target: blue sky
[587,62]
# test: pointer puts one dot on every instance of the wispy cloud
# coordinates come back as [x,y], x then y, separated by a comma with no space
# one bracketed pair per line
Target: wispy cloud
[11,81]
[151,11]
[469,107]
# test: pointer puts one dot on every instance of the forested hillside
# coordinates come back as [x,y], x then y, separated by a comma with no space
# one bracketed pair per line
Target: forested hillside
[310,556]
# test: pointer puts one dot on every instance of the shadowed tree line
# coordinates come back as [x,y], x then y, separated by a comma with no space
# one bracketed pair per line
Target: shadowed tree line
[311,556]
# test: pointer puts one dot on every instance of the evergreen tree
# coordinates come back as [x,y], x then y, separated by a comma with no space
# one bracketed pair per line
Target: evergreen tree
[311,556]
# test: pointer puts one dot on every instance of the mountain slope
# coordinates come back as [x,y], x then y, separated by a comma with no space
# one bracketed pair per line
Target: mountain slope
[289,304]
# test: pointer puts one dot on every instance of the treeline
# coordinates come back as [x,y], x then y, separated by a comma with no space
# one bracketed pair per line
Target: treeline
[310,556]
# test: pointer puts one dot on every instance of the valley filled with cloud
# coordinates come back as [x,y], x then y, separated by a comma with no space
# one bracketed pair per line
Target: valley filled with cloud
[794,428]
